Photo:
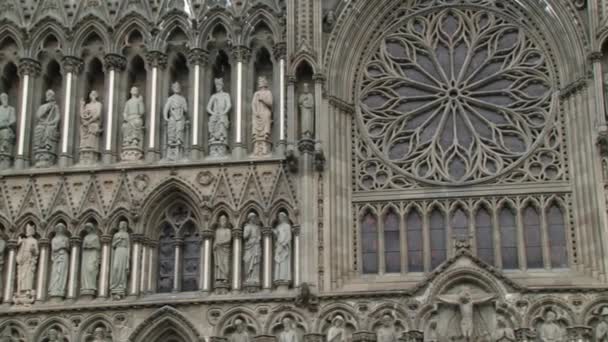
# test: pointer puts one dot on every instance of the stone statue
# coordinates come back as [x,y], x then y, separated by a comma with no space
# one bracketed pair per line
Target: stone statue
[175,116]
[289,333]
[60,261]
[46,132]
[121,246]
[549,330]
[601,330]
[466,303]
[503,332]
[218,108]
[7,131]
[27,260]
[122,331]
[261,106]
[100,335]
[240,334]
[282,249]
[336,332]
[387,332]
[306,101]
[90,129]
[133,127]
[54,336]
[221,250]
[89,272]
[252,255]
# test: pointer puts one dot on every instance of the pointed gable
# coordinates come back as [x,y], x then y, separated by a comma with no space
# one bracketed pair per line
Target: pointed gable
[50,9]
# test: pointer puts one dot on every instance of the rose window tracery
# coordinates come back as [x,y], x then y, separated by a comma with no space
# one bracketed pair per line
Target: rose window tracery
[455,96]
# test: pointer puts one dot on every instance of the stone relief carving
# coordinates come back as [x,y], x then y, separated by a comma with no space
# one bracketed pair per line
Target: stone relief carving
[252,238]
[337,332]
[11,334]
[121,246]
[7,132]
[503,333]
[218,108]
[27,261]
[282,249]
[100,335]
[387,331]
[289,333]
[89,272]
[601,329]
[466,302]
[261,106]
[240,333]
[175,115]
[60,259]
[133,127]
[90,129]
[306,101]
[46,132]
[551,327]
[222,246]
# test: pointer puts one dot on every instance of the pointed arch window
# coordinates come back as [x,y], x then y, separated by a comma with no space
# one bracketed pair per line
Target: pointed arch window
[369,242]
[533,238]
[392,242]
[438,237]
[415,250]
[508,238]
[484,235]
[460,224]
[557,236]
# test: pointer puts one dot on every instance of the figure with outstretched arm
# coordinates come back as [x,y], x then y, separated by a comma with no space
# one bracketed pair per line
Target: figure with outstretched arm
[466,304]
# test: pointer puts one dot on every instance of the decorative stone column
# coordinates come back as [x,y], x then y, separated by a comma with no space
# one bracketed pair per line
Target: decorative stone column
[29,70]
[157,61]
[364,336]
[240,56]
[71,68]
[264,338]
[579,334]
[412,336]
[296,256]
[135,264]
[73,276]
[292,104]
[152,246]
[280,51]
[197,58]
[206,269]
[11,271]
[177,266]
[237,258]
[268,258]
[525,335]
[143,277]
[43,264]
[113,64]
[313,337]
[104,270]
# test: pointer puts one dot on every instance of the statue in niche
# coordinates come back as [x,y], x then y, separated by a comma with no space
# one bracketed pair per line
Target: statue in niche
[387,332]
[252,237]
[549,330]
[240,334]
[122,330]
[90,129]
[46,132]
[306,101]
[337,332]
[10,335]
[503,332]
[289,333]
[121,247]
[221,250]
[91,247]
[27,260]
[262,118]
[60,260]
[133,127]
[282,249]
[7,131]
[54,335]
[466,303]
[100,335]
[601,330]
[218,108]
[175,116]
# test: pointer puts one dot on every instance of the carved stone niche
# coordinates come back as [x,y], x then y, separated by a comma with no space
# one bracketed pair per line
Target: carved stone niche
[232,331]
[98,332]
[10,333]
[336,320]
[550,324]
[55,333]
[297,323]
[388,325]
[597,320]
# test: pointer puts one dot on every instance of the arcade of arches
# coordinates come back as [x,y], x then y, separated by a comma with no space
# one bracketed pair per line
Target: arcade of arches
[303,171]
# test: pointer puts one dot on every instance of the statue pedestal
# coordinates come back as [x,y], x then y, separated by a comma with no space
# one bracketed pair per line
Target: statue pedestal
[262,148]
[218,150]
[88,157]
[282,285]
[222,287]
[56,299]
[251,287]
[25,298]
[87,294]
[131,154]
[173,152]
[44,158]
[5,161]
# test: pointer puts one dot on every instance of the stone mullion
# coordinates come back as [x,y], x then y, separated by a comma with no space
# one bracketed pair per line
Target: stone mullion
[319,82]
[43,265]
[135,267]
[335,252]
[345,249]
[198,59]
[143,278]
[152,263]
[346,190]
[521,240]
[496,235]
[381,243]
[470,211]
[156,62]
[293,121]
[72,66]
[328,200]
[544,229]
[104,270]
[114,65]
[29,71]
[241,56]
[237,258]
[11,272]
[177,266]
[403,240]
[426,238]
[73,276]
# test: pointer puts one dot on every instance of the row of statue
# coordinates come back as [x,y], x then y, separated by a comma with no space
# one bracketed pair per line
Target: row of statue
[175,115]
[28,253]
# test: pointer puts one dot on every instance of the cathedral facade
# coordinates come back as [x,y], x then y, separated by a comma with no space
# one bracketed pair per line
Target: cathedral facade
[303,170]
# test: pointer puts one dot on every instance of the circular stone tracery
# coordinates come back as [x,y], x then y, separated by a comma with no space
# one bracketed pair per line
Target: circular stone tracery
[455,96]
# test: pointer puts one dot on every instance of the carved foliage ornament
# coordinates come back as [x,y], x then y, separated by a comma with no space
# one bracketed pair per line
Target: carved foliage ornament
[455,96]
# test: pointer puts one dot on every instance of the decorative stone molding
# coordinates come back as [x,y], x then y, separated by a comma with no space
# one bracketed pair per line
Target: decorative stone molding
[114,61]
[156,59]
[72,64]
[28,66]
[198,56]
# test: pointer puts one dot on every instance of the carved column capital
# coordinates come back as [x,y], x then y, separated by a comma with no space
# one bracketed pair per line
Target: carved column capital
[312,337]
[267,231]
[207,234]
[106,239]
[295,230]
[524,334]
[75,241]
[156,59]
[178,242]
[237,233]
[241,53]
[198,56]
[217,339]
[28,66]
[113,61]
[44,242]
[291,80]
[279,50]
[412,336]
[264,338]
[364,336]
[11,244]
[595,56]
[318,78]
[137,238]
[72,65]
[579,333]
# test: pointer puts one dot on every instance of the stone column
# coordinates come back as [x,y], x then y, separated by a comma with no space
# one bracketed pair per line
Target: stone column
[296,255]
[71,68]
[237,258]
[135,264]
[280,51]
[43,264]
[157,61]
[113,64]
[143,278]
[152,246]
[197,58]
[29,70]
[292,105]
[104,269]
[268,258]
[11,271]
[364,336]
[579,334]
[207,267]
[73,276]
[525,335]
[177,266]
[240,56]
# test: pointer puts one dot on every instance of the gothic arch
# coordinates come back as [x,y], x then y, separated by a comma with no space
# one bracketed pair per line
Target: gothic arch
[166,319]
[59,216]
[251,206]
[116,216]
[392,308]
[83,33]
[54,322]
[10,32]
[216,19]
[219,209]
[261,17]
[591,309]
[90,215]
[282,205]
[6,228]
[303,58]
[124,30]
[546,302]
[346,311]
[170,23]
[41,33]
[225,324]
[27,218]
[92,322]
[277,315]
[15,325]
[451,277]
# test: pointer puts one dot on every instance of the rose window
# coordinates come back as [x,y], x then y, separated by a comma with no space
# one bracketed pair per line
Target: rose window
[455,96]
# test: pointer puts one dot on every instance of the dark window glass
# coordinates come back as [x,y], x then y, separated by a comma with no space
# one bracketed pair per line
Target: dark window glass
[166,259]
[438,238]
[369,243]
[557,236]
[508,239]
[460,224]
[484,236]
[392,242]
[532,238]
[415,258]
[191,261]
